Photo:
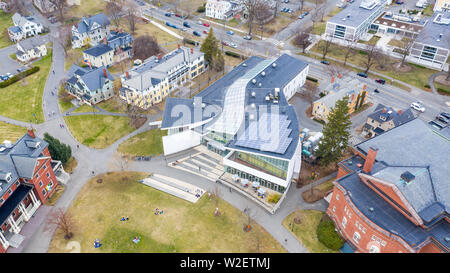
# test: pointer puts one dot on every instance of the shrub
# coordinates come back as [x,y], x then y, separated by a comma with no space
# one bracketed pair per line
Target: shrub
[188,41]
[443,90]
[328,236]
[427,86]
[58,150]
[232,54]
[311,79]
[19,76]
[201,9]
[274,198]
[362,52]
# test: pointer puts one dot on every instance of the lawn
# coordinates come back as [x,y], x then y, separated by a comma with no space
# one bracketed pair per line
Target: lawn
[86,7]
[22,99]
[74,56]
[147,143]
[319,27]
[11,132]
[183,227]
[64,100]
[85,109]
[306,231]
[98,131]
[114,105]
[417,76]
[5,23]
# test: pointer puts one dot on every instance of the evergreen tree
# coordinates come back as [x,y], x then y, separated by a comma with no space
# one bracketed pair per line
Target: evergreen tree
[58,151]
[336,133]
[213,55]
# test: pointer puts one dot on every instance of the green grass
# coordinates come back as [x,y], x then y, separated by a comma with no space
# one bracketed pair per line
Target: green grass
[372,40]
[114,105]
[442,89]
[147,143]
[428,11]
[306,232]
[417,76]
[13,56]
[64,105]
[21,99]
[183,227]
[11,132]
[74,56]
[5,23]
[98,131]
[85,109]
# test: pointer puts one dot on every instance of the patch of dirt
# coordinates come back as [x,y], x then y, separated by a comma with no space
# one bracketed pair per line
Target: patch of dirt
[441,79]
[247,228]
[404,68]
[297,220]
[138,122]
[308,112]
[315,195]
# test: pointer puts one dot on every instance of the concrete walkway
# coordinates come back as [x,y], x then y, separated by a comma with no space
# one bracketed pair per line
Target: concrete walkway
[431,81]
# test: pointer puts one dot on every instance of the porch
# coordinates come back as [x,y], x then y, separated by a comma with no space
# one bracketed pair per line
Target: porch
[60,174]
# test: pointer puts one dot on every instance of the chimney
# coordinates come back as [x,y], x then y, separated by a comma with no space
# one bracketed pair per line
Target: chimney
[332,79]
[90,66]
[399,112]
[365,86]
[353,97]
[104,73]
[179,46]
[339,75]
[127,75]
[383,111]
[192,51]
[106,42]
[370,159]
[31,133]
[159,56]
[76,25]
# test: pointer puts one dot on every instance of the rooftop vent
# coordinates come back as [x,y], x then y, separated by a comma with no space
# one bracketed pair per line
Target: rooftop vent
[371,208]
[259,84]
[253,94]
[252,117]
[263,73]
[253,81]
[7,143]
[267,98]
[274,65]
[244,65]
[407,176]
[253,106]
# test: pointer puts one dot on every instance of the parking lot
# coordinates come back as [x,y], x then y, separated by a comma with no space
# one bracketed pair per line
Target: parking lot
[8,65]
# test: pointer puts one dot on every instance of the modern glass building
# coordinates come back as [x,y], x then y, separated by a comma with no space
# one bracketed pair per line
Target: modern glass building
[245,117]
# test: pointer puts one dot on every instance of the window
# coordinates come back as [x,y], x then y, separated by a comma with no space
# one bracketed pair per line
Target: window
[48,174]
[374,249]
[37,175]
[337,196]
[45,166]
[334,208]
[17,183]
[44,192]
[40,183]
[344,222]
[9,191]
[1,201]
[356,237]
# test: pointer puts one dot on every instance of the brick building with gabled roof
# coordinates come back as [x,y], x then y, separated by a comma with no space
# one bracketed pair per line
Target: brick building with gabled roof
[27,180]
[393,195]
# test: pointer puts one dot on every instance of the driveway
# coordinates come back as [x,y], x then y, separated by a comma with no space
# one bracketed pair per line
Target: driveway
[8,65]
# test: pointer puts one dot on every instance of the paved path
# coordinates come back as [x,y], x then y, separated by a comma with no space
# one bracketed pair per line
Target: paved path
[431,81]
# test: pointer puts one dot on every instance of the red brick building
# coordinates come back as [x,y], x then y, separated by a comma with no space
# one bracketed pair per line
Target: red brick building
[27,180]
[393,194]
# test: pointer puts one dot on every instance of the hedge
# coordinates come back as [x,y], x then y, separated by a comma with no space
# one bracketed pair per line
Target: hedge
[311,79]
[232,54]
[328,236]
[201,8]
[443,90]
[188,41]
[19,76]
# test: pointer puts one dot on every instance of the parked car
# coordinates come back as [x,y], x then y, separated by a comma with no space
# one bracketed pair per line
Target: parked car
[224,43]
[305,13]
[401,2]
[382,81]
[325,62]
[169,24]
[361,74]
[376,90]
[167,14]
[3,77]
[247,37]
[301,16]
[206,32]
[186,24]
[206,24]
[199,22]
[233,45]
[286,1]
[196,33]
[229,32]
[9,75]
[447,115]
[443,118]
[417,106]
[177,15]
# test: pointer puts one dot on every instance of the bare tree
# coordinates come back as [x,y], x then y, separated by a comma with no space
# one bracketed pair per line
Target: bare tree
[309,92]
[60,5]
[262,13]
[373,53]
[405,49]
[135,115]
[187,7]
[145,46]
[382,60]
[113,9]
[62,220]
[250,6]
[17,6]
[325,46]
[303,38]
[64,38]
[131,12]
[302,2]
[349,50]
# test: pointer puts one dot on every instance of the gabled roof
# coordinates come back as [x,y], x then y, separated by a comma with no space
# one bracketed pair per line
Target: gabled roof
[15,29]
[93,78]
[388,113]
[340,89]
[20,20]
[86,23]
[119,39]
[98,50]
[30,43]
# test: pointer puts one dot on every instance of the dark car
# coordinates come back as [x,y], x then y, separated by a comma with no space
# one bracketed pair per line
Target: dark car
[177,15]
[361,74]
[442,118]
[247,37]
[206,32]
[376,90]
[447,115]
[325,62]
[168,24]
[167,14]
[382,81]
[186,24]
[196,33]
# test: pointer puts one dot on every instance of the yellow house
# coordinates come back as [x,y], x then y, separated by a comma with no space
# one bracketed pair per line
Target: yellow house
[353,88]
[149,83]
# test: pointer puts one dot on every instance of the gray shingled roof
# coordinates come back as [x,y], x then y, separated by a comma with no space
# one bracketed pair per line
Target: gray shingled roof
[430,34]
[416,145]
[93,78]
[98,50]
[30,43]
[86,23]
[390,114]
